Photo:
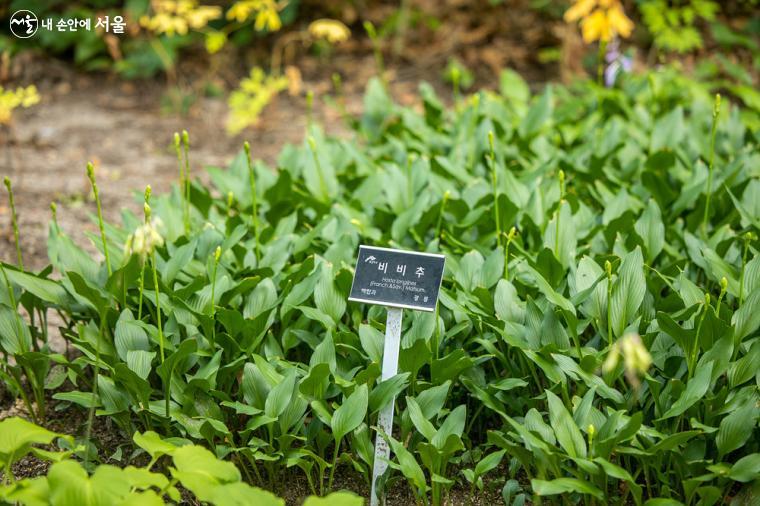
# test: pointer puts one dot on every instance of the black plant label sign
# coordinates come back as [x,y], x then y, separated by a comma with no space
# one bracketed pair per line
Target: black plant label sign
[396,278]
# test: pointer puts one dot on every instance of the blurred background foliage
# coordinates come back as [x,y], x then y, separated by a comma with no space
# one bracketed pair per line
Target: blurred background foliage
[716,41]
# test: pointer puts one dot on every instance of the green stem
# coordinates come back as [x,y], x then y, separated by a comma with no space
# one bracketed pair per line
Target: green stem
[91,176]
[600,62]
[14,222]
[254,209]
[142,287]
[322,184]
[494,187]
[334,463]
[744,265]
[444,200]
[186,149]
[713,132]
[182,184]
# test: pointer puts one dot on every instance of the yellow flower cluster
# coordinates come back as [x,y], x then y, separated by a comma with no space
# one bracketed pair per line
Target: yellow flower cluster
[11,99]
[254,93]
[332,30]
[179,16]
[145,239]
[600,19]
[636,358]
[267,17]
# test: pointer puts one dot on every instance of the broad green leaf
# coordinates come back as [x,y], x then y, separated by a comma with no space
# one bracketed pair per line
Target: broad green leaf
[747,319]
[568,434]
[746,469]
[564,486]
[242,494]
[422,424]
[335,499]
[351,413]
[16,437]
[628,291]
[736,428]
[198,470]
[696,388]
[281,395]
[651,230]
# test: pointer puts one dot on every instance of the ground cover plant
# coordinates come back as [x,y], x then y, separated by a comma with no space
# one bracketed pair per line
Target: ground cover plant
[596,339]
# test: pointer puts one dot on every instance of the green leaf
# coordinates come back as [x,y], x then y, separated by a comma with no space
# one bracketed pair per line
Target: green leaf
[747,319]
[335,499]
[152,443]
[746,469]
[422,424]
[489,463]
[568,434]
[280,396]
[198,470]
[408,466]
[351,413]
[17,436]
[539,114]
[736,428]
[386,391]
[628,291]
[242,494]
[651,230]
[564,486]
[696,388]
[47,290]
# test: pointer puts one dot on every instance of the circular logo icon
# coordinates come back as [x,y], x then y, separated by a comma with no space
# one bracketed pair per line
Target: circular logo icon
[24,24]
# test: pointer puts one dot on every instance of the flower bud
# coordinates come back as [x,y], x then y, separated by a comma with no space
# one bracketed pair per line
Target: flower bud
[561,176]
[148,191]
[608,268]
[185,138]
[7,182]
[716,106]
[217,254]
[312,143]
[591,430]
[490,141]
[707,299]
[91,172]
[247,148]
[176,141]
[146,211]
[723,284]
[512,233]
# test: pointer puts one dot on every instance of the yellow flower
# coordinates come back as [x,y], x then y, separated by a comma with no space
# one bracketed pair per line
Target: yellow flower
[267,17]
[144,239]
[636,358]
[601,20]
[178,16]
[581,9]
[11,99]
[330,29]
[215,41]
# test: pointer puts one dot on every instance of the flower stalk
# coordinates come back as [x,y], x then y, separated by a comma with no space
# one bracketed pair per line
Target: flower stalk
[186,150]
[96,193]
[14,221]
[494,187]
[561,178]
[254,207]
[510,237]
[713,133]
[322,184]
[182,184]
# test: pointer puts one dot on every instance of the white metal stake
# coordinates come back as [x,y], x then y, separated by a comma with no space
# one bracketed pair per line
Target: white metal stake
[385,418]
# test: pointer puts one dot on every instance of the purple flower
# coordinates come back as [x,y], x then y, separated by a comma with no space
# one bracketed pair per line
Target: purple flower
[617,62]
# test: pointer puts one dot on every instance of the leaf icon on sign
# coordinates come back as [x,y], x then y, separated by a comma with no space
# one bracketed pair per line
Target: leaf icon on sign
[370,258]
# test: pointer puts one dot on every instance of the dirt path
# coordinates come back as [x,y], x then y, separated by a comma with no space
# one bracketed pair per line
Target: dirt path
[120,127]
